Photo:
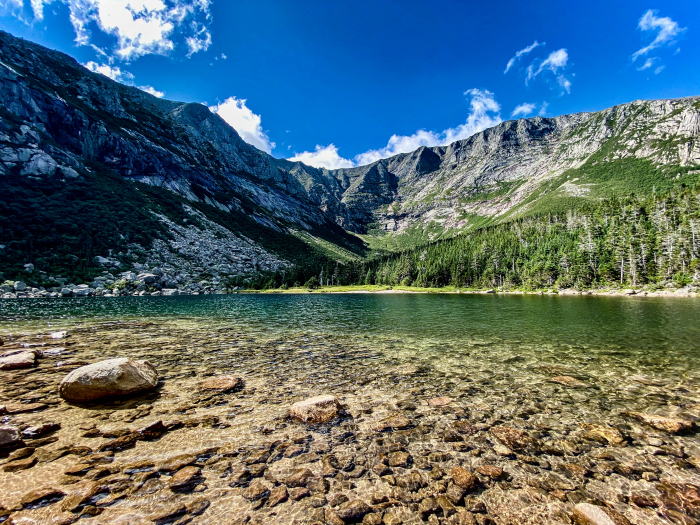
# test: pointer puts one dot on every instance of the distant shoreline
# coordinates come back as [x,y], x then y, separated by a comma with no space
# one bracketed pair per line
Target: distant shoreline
[627,292]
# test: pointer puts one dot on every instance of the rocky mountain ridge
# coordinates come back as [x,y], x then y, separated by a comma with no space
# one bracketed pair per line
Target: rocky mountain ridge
[64,129]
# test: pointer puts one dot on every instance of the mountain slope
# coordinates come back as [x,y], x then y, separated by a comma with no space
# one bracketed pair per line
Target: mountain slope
[92,168]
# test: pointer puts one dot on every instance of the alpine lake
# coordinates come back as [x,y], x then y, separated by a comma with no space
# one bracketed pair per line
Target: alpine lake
[456,409]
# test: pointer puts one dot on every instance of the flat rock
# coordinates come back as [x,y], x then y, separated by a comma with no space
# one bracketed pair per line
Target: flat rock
[513,438]
[671,425]
[397,422]
[113,377]
[19,360]
[220,384]
[353,510]
[569,381]
[605,433]
[36,497]
[277,495]
[440,401]
[587,514]
[185,479]
[9,437]
[298,478]
[316,409]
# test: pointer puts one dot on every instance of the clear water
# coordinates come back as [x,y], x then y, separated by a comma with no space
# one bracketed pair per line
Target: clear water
[494,355]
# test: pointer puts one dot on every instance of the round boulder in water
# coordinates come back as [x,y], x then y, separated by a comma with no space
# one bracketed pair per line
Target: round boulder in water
[113,377]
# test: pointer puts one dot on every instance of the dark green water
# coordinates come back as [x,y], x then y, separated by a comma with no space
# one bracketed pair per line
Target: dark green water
[633,323]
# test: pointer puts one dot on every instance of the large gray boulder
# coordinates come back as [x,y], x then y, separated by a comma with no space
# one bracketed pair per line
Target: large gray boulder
[113,377]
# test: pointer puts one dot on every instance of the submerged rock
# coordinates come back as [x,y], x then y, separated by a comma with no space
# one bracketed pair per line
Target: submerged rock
[19,360]
[113,377]
[9,437]
[587,514]
[316,409]
[220,384]
[671,425]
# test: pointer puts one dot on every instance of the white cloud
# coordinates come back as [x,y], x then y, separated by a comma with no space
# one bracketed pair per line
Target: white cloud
[647,63]
[248,125]
[121,76]
[543,109]
[152,91]
[659,69]
[115,73]
[521,53]
[556,63]
[141,27]
[323,157]
[523,109]
[484,113]
[667,30]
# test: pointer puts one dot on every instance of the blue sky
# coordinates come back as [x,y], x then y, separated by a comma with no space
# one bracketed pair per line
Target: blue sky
[343,83]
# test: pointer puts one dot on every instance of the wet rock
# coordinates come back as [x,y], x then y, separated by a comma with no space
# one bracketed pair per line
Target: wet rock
[186,479]
[393,423]
[427,507]
[21,453]
[374,518]
[399,459]
[298,493]
[317,409]
[40,430]
[353,510]
[240,478]
[412,481]
[455,493]
[464,479]
[587,514]
[121,443]
[9,437]
[514,438]
[337,499]
[682,498]
[167,512]
[257,490]
[671,425]
[153,430]
[490,471]
[277,495]
[80,495]
[198,506]
[298,478]
[20,464]
[440,401]
[17,361]
[603,433]
[41,497]
[221,384]
[569,381]
[113,377]
[514,507]
[462,517]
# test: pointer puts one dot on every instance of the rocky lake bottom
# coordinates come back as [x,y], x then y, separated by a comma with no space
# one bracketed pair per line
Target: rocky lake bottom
[455,410]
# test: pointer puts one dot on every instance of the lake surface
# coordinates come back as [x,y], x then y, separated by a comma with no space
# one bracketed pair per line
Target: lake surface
[564,369]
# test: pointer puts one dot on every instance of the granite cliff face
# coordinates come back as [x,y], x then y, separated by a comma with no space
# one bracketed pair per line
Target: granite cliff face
[61,122]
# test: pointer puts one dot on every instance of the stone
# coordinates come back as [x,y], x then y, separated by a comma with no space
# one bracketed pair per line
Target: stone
[513,438]
[397,422]
[277,495]
[221,384]
[463,478]
[671,425]
[40,430]
[427,507]
[491,471]
[569,381]
[19,360]
[19,464]
[198,506]
[257,490]
[9,437]
[353,510]
[113,377]
[298,493]
[399,459]
[153,430]
[440,401]
[587,514]
[605,433]
[316,409]
[80,495]
[21,453]
[298,478]
[41,496]
[186,479]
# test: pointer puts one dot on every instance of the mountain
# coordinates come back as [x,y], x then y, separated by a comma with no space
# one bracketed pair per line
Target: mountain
[92,168]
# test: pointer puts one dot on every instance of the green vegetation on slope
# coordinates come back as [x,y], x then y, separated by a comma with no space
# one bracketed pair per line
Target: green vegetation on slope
[628,241]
